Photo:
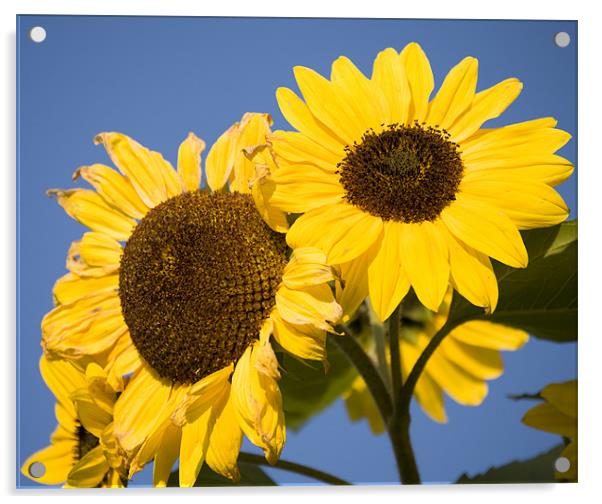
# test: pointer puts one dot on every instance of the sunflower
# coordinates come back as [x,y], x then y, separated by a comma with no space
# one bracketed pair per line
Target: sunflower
[406,191]
[464,361]
[83,451]
[558,415]
[184,288]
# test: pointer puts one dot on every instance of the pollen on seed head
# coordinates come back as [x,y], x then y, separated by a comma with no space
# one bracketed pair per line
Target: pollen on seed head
[198,277]
[404,173]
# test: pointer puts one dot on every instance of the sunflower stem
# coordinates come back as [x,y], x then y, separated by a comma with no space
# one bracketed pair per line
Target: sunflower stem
[293,467]
[394,326]
[354,352]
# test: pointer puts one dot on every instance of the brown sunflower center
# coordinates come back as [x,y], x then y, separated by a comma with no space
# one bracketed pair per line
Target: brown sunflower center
[404,173]
[197,278]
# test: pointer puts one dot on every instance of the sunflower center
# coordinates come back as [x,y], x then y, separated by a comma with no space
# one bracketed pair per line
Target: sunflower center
[404,173]
[86,442]
[198,277]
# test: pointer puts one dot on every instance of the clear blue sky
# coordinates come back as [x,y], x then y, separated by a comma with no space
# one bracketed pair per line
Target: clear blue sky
[156,79]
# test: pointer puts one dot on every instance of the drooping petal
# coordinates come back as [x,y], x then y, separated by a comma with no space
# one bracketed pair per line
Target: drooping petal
[304,341]
[57,460]
[472,274]
[485,334]
[306,266]
[424,255]
[166,455]
[485,229]
[257,400]
[90,470]
[387,280]
[225,441]
[314,305]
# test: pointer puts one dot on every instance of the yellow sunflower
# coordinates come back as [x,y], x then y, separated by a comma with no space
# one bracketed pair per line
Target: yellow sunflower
[464,361]
[558,415]
[190,301]
[408,191]
[83,452]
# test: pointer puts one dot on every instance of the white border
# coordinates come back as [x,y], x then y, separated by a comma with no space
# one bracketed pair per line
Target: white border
[590,182]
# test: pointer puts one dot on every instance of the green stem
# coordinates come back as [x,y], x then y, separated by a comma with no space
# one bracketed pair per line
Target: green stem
[394,324]
[399,433]
[404,398]
[293,467]
[354,352]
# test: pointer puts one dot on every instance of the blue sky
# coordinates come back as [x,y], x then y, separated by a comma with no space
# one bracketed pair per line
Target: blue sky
[156,79]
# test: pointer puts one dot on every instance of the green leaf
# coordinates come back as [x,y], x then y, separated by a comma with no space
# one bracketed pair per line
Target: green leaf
[540,299]
[539,469]
[307,388]
[250,475]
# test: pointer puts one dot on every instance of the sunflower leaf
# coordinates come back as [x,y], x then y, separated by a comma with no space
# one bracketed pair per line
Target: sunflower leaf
[308,388]
[539,469]
[542,298]
[250,475]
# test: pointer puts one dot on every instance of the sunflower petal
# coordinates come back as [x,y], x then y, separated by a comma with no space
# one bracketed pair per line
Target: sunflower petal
[420,79]
[389,75]
[90,209]
[189,162]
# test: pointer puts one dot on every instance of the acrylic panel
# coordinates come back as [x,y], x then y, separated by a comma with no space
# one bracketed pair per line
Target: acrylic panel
[362,278]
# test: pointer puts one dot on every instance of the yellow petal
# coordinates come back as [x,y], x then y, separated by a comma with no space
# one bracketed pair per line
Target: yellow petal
[547,418]
[482,363]
[225,441]
[263,195]
[297,113]
[92,417]
[254,129]
[62,378]
[455,95]
[70,287]
[57,460]
[427,392]
[363,97]
[97,249]
[90,209]
[472,274]
[194,445]
[487,104]
[562,396]
[304,341]
[220,160]
[87,326]
[485,229]
[389,75]
[123,359]
[189,162]
[114,188]
[166,455]
[257,400]
[143,404]
[300,188]
[420,79]
[314,305]
[328,105]
[387,280]
[90,470]
[291,147]
[139,165]
[489,335]
[425,257]
[306,266]
[529,205]
[341,231]
[352,285]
